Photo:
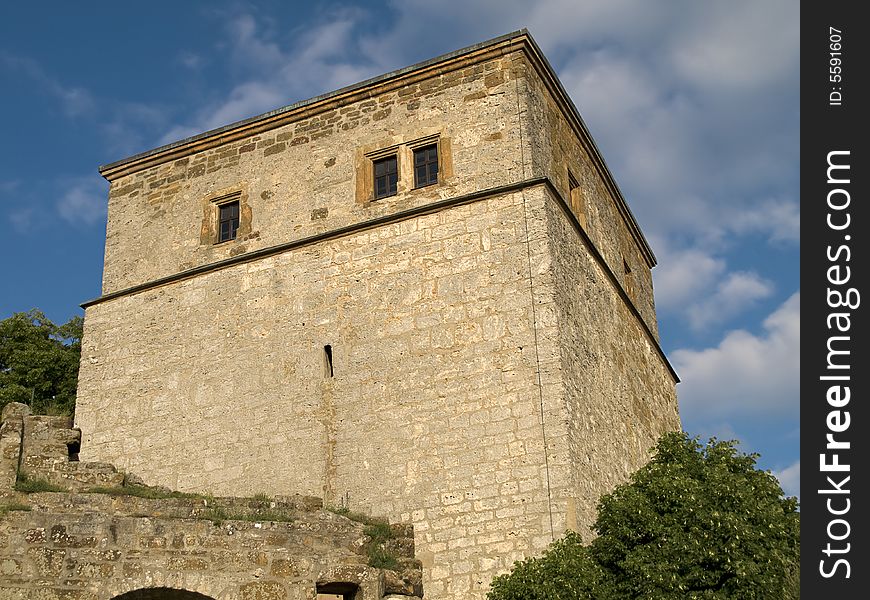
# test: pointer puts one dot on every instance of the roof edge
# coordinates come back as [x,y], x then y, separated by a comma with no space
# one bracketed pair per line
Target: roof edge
[528,44]
[555,84]
[104,169]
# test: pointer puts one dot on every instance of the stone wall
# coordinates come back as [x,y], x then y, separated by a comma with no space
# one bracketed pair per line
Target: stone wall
[466,357]
[300,179]
[557,149]
[86,545]
[431,415]
[618,392]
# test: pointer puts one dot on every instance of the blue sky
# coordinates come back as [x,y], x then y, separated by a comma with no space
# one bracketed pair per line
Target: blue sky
[694,105]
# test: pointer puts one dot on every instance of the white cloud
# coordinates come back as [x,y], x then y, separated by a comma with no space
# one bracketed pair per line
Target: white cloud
[790,479]
[683,275]
[83,202]
[696,285]
[729,45]
[780,220]
[746,374]
[245,100]
[736,293]
[319,58]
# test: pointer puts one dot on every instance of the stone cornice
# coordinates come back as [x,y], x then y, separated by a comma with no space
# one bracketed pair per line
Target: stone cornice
[392,218]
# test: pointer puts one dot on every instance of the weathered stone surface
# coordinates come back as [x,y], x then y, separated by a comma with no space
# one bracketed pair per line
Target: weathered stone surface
[95,545]
[483,368]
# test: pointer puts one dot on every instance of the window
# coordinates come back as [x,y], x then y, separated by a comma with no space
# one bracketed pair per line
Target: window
[228,221]
[386,176]
[628,278]
[426,166]
[226,216]
[397,167]
[578,203]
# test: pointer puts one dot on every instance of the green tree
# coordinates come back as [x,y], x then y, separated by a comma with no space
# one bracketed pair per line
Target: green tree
[696,522]
[39,362]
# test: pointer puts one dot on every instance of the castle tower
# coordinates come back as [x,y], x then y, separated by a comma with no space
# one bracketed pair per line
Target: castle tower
[422,296]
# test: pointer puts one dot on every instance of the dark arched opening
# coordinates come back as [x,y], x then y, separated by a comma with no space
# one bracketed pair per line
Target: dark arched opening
[162,593]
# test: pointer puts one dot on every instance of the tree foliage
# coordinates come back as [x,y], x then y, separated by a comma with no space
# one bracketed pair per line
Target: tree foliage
[696,522]
[39,362]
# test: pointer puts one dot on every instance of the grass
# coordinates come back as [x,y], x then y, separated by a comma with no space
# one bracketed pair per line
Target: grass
[30,485]
[381,558]
[218,515]
[12,506]
[379,531]
[355,516]
[141,491]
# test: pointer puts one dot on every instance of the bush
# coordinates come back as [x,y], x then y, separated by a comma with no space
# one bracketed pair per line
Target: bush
[696,522]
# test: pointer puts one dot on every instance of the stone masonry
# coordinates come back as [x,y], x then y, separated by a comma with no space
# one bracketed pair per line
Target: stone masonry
[91,540]
[478,358]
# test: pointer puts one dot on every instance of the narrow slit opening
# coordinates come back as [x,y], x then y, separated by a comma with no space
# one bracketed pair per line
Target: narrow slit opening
[327,355]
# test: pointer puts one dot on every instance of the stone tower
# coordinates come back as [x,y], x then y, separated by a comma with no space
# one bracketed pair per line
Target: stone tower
[422,296]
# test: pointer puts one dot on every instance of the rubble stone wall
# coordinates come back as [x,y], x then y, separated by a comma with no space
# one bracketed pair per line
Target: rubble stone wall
[65,545]
[463,357]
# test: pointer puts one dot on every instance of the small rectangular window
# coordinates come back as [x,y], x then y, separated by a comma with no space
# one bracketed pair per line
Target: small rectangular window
[628,278]
[228,221]
[578,203]
[386,176]
[426,166]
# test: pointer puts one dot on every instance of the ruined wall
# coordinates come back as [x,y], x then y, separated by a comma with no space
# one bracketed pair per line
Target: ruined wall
[102,542]
[96,547]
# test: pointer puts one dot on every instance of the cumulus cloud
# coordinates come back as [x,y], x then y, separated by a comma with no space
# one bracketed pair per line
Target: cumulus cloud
[695,284]
[730,47]
[683,275]
[736,293]
[274,72]
[745,375]
[790,479]
[778,219]
[83,202]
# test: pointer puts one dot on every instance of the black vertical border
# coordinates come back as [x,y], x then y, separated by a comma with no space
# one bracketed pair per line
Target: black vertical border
[826,128]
